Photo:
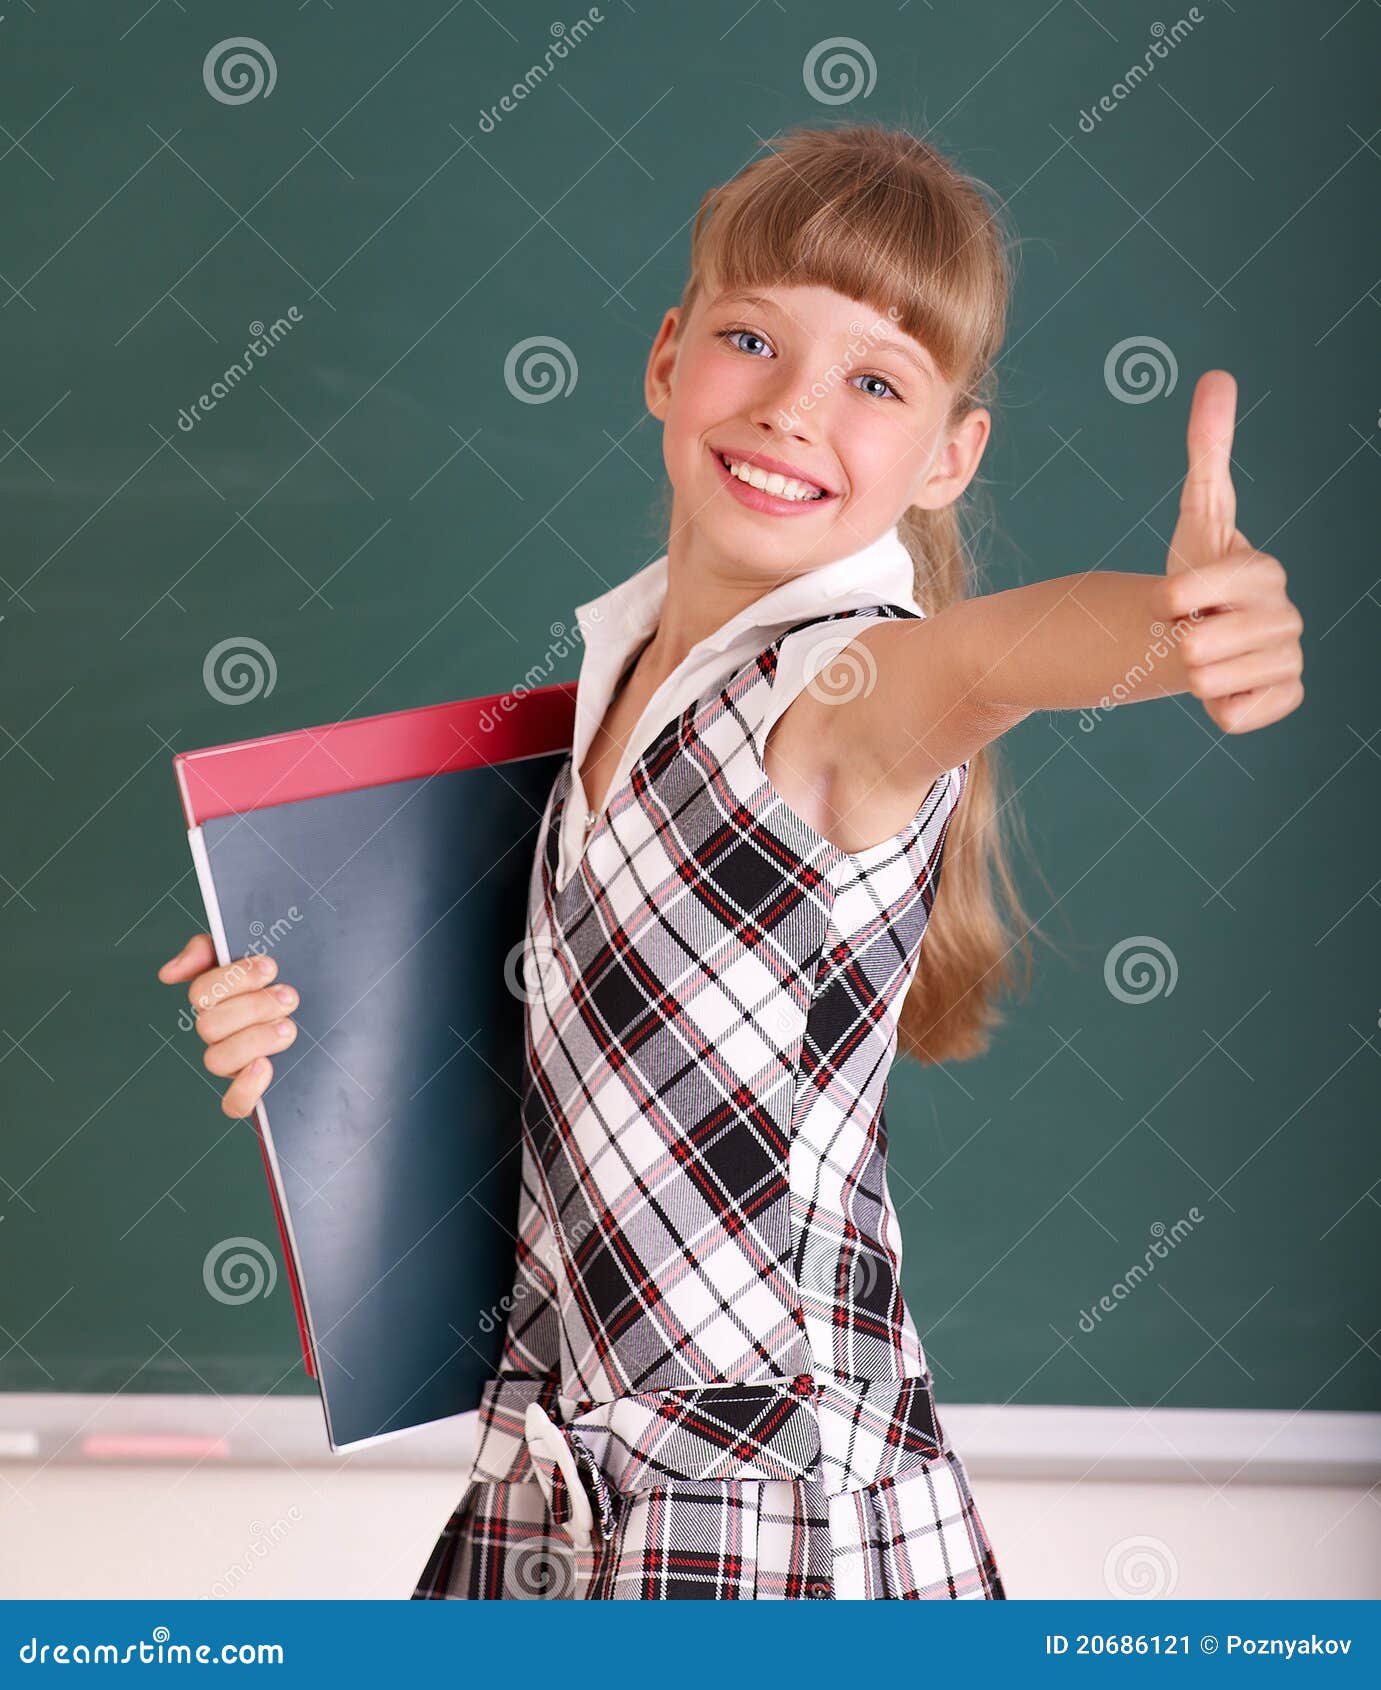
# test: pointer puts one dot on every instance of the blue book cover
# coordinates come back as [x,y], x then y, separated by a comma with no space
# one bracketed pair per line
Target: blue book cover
[385,863]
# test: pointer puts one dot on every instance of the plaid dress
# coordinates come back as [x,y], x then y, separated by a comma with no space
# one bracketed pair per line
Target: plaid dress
[711,1386]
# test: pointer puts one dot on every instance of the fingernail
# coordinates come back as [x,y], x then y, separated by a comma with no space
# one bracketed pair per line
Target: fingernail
[261,1067]
[264,964]
[285,995]
[283,1029]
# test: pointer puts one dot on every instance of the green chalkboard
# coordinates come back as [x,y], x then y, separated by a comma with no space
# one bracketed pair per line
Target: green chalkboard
[370,506]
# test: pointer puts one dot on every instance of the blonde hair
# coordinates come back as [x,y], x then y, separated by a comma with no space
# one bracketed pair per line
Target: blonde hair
[880,216]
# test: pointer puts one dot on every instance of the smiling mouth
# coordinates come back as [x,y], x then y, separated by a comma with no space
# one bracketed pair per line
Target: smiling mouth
[792,488]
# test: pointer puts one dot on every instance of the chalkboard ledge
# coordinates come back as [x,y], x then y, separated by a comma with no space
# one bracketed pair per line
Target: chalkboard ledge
[1019,1441]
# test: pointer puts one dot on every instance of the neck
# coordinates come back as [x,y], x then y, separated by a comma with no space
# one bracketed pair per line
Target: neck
[706,587]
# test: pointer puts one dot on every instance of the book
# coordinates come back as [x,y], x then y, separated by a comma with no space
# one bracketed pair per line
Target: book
[385,864]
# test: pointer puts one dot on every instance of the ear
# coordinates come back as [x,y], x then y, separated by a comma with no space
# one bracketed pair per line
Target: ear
[661,364]
[956,463]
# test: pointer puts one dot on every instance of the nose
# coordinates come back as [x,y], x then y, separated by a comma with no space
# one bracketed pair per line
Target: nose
[786,407]
[548,1443]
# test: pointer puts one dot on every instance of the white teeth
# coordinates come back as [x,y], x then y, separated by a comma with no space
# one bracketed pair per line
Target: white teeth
[783,486]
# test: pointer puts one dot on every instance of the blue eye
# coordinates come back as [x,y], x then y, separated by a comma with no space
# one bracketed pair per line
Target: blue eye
[728,334]
[881,383]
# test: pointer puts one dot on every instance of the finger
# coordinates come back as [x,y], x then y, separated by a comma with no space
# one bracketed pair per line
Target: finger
[1250,672]
[1240,578]
[228,1056]
[1257,709]
[1233,633]
[245,1009]
[245,1090]
[1208,495]
[245,974]
[195,957]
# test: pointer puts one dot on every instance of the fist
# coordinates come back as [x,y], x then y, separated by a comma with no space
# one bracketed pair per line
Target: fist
[1235,629]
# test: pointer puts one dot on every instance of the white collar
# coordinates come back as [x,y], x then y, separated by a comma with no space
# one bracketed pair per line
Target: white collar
[880,572]
[616,623]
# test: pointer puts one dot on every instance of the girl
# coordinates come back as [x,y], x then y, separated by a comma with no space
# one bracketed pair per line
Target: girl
[711,1385]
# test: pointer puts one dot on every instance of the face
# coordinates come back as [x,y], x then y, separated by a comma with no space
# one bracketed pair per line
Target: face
[842,410]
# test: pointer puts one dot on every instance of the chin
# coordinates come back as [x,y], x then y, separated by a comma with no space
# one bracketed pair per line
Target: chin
[762,547]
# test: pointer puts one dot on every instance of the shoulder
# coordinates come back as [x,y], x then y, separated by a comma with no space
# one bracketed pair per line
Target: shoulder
[825,666]
[818,754]
[833,657]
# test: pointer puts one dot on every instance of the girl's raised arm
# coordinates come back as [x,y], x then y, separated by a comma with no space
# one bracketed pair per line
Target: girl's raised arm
[1217,624]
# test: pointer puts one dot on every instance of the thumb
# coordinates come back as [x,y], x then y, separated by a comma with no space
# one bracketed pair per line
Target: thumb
[1208,501]
[195,957]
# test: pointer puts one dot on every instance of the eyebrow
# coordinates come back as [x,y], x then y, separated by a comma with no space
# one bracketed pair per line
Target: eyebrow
[903,351]
[884,344]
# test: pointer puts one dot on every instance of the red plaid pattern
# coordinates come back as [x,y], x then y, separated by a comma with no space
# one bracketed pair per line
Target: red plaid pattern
[732,1400]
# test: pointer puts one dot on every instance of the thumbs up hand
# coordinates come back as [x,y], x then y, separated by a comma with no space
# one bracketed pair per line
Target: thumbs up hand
[1241,650]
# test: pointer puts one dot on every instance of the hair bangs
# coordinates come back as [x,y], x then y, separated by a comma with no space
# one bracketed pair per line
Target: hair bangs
[877,216]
